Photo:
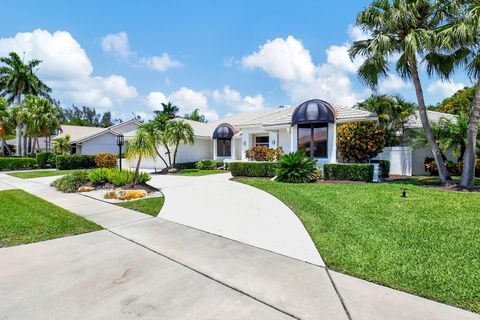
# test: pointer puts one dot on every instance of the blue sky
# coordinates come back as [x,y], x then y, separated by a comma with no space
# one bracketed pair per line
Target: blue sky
[221,56]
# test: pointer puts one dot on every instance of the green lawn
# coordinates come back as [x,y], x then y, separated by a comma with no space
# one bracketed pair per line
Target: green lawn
[427,180]
[196,172]
[25,218]
[426,244]
[40,173]
[149,206]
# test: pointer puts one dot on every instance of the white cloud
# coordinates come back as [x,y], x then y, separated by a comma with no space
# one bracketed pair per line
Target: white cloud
[67,69]
[290,62]
[155,100]
[160,63]
[356,33]
[117,43]
[393,83]
[234,99]
[186,99]
[444,88]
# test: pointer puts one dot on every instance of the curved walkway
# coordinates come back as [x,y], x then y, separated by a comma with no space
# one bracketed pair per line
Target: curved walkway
[236,211]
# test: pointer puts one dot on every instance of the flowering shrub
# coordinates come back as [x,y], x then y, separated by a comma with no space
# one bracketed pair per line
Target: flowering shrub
[105,160]
[262,153]
[360,141]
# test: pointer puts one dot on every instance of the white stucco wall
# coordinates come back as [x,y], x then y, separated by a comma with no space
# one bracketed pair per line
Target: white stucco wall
[401,161]
[106,142]
[200,150]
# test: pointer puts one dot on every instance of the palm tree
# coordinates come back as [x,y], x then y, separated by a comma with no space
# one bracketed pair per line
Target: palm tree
[195,116]
[169,110]
[392,113]
[461,41]
[19,117]
[141,146]
[178,131]
[61,144]
[4,123]
[43,118]
[16,80]
[156,135]
[403,28]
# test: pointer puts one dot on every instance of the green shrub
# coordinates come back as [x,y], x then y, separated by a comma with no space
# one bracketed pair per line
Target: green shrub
[185,165]
[42,159]
[120,178]
[296,167]
[52,159]
[71,182]
[219,164]
[477,169]
[346,171]
[384,168]
[75,161]
[143,177]
[253,169]
[206,165]
[14,163]
[360,141]
[98,176]
[105,160]
[262,153]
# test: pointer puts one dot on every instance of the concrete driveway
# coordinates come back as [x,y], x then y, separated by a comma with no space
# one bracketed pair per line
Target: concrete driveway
[235,211]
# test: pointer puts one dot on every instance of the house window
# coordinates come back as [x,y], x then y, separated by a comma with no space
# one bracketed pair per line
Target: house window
[261,141]
[224,148]
[313,139]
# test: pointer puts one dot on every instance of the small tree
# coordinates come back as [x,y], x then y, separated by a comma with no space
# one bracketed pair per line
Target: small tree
[62,144]
[141,146]
[176,132]
[360,141]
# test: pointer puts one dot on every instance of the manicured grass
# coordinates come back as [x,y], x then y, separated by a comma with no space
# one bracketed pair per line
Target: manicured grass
[151,206]
[40,173]
[196,172]
[427,180]
[25,218]
[426,244]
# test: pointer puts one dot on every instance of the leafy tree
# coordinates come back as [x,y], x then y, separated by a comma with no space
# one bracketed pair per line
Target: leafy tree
[18,79]
[4,124]
[61,144]
[403,29]
[195,116]
[360,141]
[459,103]
[86,116]
[169,110]
[176,132]
[141,146]
[392,113]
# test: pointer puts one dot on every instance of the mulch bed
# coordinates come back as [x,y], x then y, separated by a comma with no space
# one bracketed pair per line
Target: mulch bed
[132,186]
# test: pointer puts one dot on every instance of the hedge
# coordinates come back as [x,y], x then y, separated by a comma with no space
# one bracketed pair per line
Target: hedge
[344,171]
[384,167]
[253,169]
[75,161]
[185,165]
[42,159]
[14,163]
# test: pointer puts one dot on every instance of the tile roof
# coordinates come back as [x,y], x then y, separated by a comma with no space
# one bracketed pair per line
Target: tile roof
[414,122]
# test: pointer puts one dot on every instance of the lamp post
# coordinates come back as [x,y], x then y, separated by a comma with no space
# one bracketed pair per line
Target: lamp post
[120,143]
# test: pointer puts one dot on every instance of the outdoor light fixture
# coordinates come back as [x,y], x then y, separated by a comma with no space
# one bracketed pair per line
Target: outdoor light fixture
[404,193]
[120,143]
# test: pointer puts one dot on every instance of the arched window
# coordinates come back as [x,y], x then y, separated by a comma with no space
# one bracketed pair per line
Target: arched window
[312,118]
[223,135]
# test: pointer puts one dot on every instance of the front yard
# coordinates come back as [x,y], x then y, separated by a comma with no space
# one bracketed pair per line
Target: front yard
[25,218]
[41,173]
[150,206]
[426,244]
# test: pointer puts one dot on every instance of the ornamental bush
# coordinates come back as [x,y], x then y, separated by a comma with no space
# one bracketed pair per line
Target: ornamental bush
[360,141]
[296,167]
[14,163]
[105,160]
[347,171]
[253,169]
[71,182]
[98,176]
[262,153]
[42,159]
[206,165]
[75,161]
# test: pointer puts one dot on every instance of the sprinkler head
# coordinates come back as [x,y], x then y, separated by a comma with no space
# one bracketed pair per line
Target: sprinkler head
[404,193]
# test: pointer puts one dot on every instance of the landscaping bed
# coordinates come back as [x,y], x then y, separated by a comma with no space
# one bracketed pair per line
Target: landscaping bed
[25,218]
[426,244]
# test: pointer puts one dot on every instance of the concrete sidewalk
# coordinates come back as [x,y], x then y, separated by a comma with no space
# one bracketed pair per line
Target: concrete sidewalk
[151,268]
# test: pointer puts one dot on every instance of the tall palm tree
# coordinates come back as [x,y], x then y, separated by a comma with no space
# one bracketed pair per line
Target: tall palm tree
[156,135]
[43,118]
[459,45]
[403,29]
[170,110]
[4,123]
[195,116]
[19,117]
[178,131]
[61,144]
[18,79]
[141,146]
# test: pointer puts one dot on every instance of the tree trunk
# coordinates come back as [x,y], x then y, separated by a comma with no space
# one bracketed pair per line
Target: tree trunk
[160,156]
[24,139]
[2,143]
[443,173]
[175,154]
[470,157]
[18,138]
[137,169]
[7,148]
[169,155]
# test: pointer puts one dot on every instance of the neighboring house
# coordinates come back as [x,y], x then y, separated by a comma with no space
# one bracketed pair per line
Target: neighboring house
[311,127]
[103,140]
